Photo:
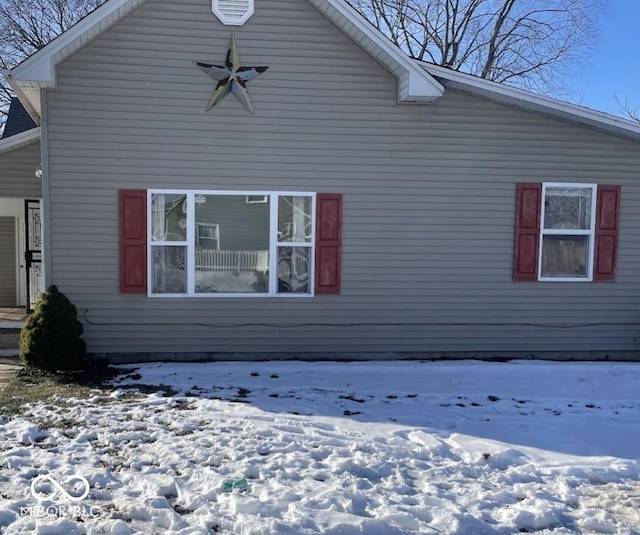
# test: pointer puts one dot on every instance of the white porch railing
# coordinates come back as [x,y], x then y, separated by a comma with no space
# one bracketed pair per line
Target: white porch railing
[212,260]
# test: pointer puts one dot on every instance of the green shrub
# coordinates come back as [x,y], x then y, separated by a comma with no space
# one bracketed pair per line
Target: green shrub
[51,337]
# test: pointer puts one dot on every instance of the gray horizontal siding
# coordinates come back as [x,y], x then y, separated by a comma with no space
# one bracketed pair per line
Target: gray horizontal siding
[18,172]
[7,261]
[429,193]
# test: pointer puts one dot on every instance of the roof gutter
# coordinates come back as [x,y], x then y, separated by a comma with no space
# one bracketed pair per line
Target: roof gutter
[26,102]
[20,140]
[534,102]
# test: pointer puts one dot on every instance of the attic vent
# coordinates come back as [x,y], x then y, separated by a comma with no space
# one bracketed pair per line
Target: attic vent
[232,12]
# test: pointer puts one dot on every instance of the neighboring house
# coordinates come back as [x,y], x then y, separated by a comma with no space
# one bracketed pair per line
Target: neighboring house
[20,191]
[303,188]
[18,120]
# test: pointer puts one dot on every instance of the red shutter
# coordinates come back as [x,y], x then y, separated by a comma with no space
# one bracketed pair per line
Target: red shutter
[528,208]
[328,242]
[607,219]
[133,241]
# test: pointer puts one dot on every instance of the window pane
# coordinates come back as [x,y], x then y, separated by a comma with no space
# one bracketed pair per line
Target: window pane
[234,257]
[168,217]
[256,199]
[207,236]
[565,256]
[567,208]
[293,269]
[294,219]
[169,270]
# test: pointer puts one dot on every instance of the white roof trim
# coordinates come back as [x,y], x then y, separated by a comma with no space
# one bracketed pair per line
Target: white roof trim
[529,101]
[20,140]
[416,82]
[38,70]
[413,86]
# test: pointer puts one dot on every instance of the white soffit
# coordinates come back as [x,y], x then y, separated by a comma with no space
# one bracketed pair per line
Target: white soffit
[232,12]
[533,102]
[413,86]
[20,140]
[38,70]
[416,80]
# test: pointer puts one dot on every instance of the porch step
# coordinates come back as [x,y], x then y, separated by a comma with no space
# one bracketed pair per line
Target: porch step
[9,339]
[12,315]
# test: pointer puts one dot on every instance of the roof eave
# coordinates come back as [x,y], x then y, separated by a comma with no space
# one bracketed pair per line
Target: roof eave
[413,85]
[534,102]
[30,101]
[38,71]
[20,140]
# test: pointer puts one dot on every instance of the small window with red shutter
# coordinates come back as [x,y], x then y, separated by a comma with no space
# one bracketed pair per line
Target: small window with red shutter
[566,232]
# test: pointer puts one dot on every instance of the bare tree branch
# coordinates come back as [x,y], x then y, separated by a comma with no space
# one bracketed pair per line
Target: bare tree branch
[627,108]
[528,43]
[28,25]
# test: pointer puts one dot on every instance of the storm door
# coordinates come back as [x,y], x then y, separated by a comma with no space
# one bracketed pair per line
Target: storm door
[33,252]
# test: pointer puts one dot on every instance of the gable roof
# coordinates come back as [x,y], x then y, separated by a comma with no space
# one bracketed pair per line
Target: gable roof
[20,140]
[39,70]
[418,81]
[19,130]
[18,120]
[533,102]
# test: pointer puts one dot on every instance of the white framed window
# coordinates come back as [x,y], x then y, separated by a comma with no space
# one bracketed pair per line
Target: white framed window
[294,243]
[257,199]
[567,232]
[207,236]
[216,243]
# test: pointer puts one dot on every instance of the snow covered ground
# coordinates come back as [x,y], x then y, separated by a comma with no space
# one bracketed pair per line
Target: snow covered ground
[368,448]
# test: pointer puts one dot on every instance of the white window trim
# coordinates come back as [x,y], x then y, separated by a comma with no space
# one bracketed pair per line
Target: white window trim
[569,232]
[215,226]
[191,244]
[257,199]
[310,245]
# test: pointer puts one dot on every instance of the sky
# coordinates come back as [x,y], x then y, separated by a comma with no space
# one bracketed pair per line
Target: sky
[615,65]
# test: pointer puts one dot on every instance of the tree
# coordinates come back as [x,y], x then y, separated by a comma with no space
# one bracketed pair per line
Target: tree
[28,25]
[627,109]
[51,338]
[527,43]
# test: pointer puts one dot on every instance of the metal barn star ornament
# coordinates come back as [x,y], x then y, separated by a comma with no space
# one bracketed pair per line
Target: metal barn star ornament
[231,78]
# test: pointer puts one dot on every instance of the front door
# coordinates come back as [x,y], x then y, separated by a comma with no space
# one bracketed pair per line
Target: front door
[8,268]
[33,252]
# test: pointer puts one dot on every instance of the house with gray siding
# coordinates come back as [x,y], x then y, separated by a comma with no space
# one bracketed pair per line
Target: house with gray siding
[262,179]
[21,278]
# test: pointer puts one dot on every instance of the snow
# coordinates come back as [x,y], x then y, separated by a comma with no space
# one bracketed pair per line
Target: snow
[231,282]
[335,448]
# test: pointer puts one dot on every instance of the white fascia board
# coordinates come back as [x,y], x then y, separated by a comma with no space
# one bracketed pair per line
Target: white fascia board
[39,68]
[38,71]
[20,140]
[415,88]
[413,85]
[29,96]
[534,102]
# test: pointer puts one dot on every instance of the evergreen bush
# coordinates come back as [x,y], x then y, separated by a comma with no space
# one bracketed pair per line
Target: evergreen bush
[51,337]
